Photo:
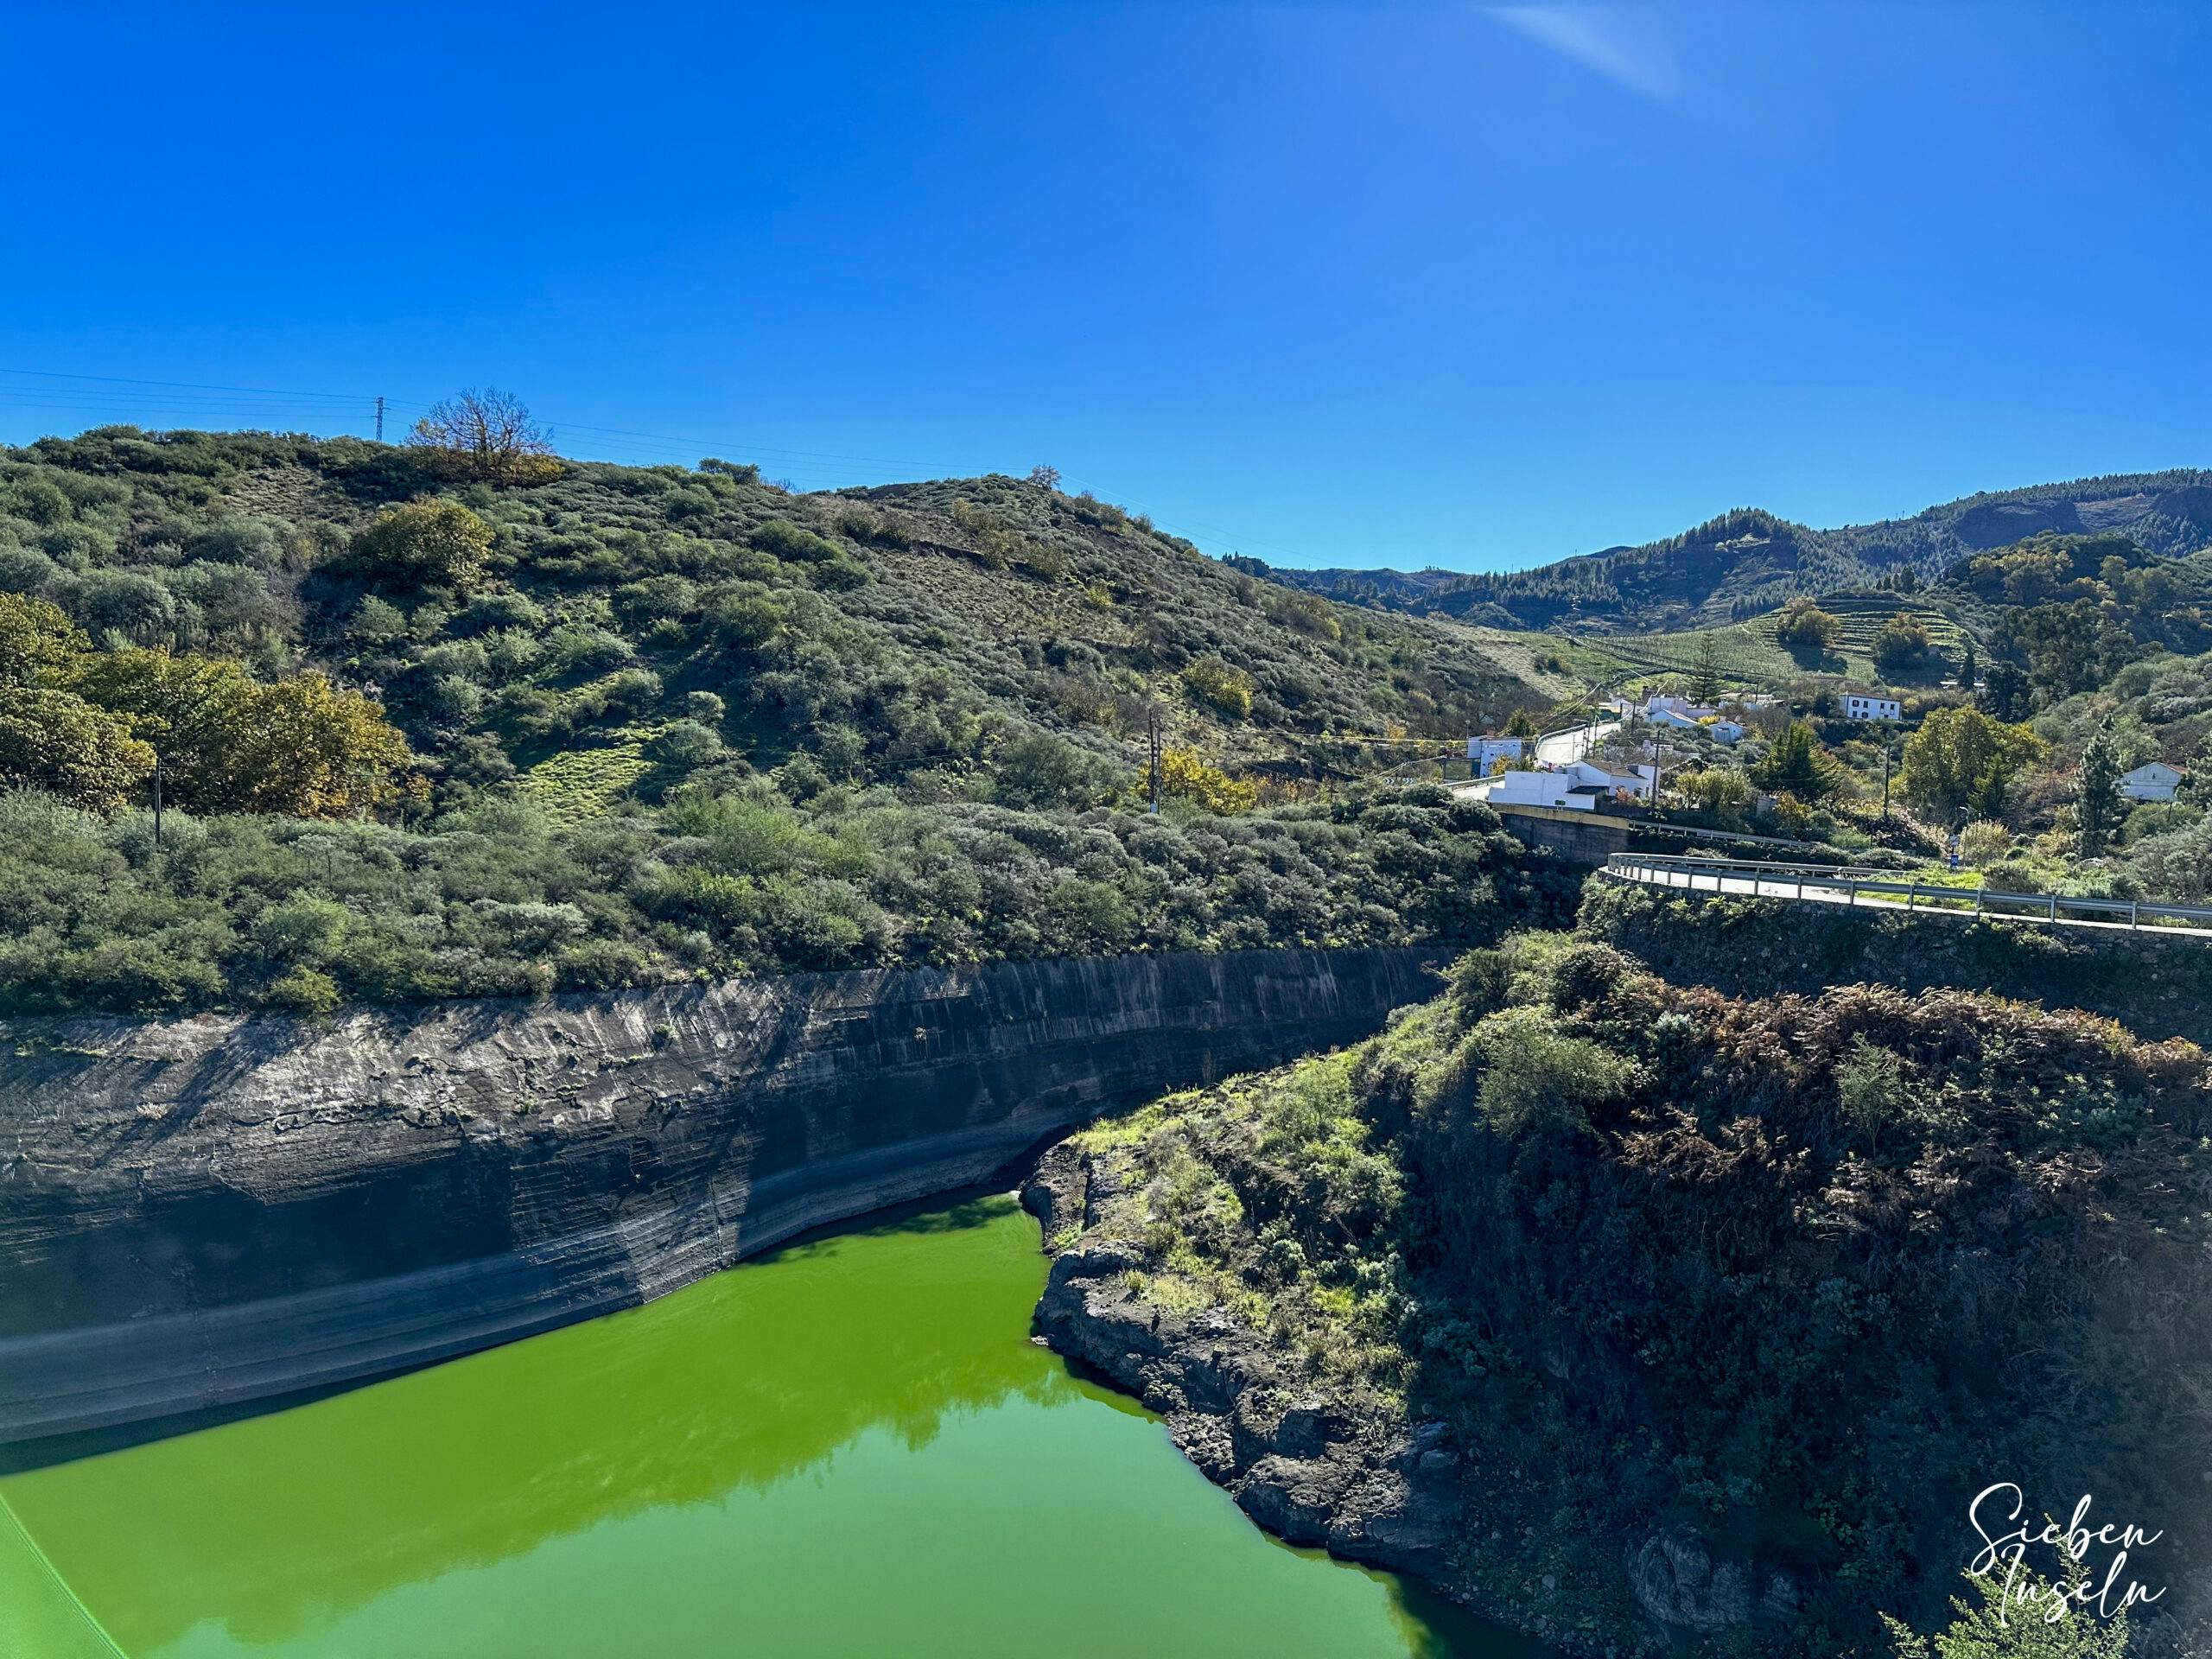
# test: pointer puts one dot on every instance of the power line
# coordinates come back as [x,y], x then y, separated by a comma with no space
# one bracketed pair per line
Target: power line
[374,405]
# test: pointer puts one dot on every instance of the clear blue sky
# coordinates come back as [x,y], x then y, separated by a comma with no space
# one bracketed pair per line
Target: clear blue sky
[1470,285]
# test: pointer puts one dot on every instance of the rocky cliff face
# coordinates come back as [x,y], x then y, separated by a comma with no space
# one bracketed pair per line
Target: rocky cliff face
[1309,1468]
[199,1212]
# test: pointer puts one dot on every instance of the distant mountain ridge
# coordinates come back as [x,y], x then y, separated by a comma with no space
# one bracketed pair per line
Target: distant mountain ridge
[1747,560]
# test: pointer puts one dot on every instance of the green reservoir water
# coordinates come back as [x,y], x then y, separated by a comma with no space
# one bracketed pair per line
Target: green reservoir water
[848,1448]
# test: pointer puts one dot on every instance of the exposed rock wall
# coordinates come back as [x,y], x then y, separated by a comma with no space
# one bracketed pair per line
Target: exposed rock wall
[199,1212]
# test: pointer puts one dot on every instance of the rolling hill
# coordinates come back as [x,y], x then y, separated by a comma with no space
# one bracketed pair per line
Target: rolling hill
[426,731]
[1748,561]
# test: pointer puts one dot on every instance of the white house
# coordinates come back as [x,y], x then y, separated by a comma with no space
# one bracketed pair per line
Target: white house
[1484,753]
[1579,787]
[1858,708]
[2156,782]
[1693,719]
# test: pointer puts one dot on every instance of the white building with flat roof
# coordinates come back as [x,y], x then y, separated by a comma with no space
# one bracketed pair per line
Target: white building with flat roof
[1484,752]
[1858,708]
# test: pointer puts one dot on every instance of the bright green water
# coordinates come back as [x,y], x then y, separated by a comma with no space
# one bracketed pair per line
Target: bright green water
[848,1448]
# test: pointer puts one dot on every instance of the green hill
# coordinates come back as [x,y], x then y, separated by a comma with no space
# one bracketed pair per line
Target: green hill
[1748,561]
[661,722]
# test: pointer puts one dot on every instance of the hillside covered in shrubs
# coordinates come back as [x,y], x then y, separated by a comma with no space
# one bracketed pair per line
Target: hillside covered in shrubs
[427,726]
[1774,1284]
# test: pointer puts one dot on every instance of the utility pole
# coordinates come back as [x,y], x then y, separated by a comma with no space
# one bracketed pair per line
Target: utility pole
[380,420]
[157,798]
[1153,726]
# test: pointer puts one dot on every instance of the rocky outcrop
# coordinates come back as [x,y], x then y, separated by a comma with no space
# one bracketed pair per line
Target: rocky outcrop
[1309,1468]
[1352,1475]
[199,1212]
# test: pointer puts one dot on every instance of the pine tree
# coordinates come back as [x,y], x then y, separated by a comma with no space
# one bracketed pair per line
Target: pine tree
[2097,804]
[1705,676]
[1969,672]
[1796,766]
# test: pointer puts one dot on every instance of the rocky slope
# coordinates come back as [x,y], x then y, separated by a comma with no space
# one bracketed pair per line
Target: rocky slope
[203,1211]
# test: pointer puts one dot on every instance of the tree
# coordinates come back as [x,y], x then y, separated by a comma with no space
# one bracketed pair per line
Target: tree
[2196,776]
[1994,1629]
[1902,645]
[1705,676]
[2098,807]
[57,741]
[487,434]
[38,643]
[435,543]
[1962,758]
[1804,627]
[1967,671]
[2005,692]
[1046,477]
[231,744]
[1521,723]
[1797,765]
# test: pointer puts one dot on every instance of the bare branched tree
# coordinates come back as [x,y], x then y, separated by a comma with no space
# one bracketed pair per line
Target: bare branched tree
[487,435]
[1048,476]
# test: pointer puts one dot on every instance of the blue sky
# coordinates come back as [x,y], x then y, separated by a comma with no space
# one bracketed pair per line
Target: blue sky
[1476,286]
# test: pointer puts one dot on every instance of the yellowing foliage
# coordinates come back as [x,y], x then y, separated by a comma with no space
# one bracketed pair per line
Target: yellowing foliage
[1181,772]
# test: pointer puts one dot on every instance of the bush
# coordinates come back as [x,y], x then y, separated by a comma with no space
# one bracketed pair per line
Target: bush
[1537,1080]
[1984,842]
[436,542]
[1226,691]
[788,541]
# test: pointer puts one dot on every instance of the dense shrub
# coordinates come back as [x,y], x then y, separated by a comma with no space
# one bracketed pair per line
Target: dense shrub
[576,656]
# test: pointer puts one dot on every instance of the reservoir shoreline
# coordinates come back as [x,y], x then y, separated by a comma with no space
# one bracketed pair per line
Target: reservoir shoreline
[197,1215]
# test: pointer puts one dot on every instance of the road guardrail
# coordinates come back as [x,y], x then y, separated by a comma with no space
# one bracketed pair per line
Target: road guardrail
[1831,885]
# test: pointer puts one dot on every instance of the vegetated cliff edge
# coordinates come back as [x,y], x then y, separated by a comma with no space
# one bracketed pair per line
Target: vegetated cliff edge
[199,1212]
[2157,984]
[1652,1319]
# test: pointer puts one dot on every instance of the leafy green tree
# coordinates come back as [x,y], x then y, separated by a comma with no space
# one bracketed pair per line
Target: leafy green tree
[1797,765]
[1989,1629]
[1902,645]
[1521,723]
[1537,1077]
[2196,776]
[38,643]
[55,741]
[2098,807]
[433,543]
[1804,627]
[231,744]
[1226,689]
[1962,758]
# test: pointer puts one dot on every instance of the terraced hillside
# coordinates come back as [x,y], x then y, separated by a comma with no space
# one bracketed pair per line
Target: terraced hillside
[1747,651]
